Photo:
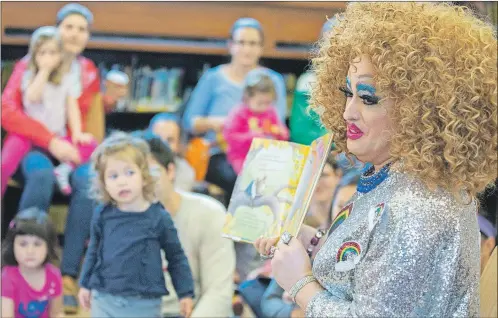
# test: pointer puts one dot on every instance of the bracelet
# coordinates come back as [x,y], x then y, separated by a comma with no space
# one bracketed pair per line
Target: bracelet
[299,285]
[314,241]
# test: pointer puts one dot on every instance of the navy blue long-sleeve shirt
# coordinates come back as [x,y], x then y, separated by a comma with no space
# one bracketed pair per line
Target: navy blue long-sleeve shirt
[124,254]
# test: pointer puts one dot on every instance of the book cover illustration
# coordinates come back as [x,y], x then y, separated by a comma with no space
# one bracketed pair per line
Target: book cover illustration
[265,189]
[272,193]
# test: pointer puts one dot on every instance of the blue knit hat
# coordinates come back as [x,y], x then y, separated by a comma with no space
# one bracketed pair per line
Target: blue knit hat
[164,117]
[74,8]
[48,31]
[246,23]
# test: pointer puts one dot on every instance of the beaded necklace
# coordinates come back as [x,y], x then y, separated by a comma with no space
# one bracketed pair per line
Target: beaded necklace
[370,180]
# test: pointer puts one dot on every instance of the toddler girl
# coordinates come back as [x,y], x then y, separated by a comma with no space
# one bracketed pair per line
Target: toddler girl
[50,91]
[31,285]
[256,117]
[122,272]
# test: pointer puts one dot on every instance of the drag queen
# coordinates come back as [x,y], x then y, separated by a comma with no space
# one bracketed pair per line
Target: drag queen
[411,88]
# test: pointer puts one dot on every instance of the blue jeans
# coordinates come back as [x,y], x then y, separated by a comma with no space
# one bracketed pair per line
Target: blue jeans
[37,170]
[106,306]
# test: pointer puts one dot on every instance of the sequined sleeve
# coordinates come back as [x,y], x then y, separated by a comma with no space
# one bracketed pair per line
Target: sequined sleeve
[412,265]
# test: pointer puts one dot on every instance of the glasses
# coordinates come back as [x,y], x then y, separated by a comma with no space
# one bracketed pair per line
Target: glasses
[247,43]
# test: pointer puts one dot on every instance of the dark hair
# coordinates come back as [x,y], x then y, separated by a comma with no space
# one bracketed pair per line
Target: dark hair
[247,23]
[31,221]
[74,8]
[159,149]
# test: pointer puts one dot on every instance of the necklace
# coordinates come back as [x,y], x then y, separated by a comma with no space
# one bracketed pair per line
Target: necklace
[370,180]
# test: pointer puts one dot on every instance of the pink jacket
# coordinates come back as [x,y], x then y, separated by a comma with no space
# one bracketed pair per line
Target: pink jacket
[243,125]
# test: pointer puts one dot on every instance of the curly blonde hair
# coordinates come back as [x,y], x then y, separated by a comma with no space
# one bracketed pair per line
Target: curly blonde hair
[125,147]
[438,63]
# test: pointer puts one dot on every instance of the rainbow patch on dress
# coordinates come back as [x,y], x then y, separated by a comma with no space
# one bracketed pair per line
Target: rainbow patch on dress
[374,215]
[341,217]
[379,209]
[349,251]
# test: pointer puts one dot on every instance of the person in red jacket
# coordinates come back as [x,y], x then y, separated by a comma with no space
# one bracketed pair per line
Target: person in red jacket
[50,92]
[37,167]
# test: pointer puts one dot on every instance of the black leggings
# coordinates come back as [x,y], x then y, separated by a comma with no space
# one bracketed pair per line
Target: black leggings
[221,173]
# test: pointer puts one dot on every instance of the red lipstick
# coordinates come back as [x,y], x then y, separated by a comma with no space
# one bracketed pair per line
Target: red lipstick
[354,132]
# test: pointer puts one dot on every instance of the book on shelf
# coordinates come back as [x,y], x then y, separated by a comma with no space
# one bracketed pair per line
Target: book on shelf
[274,189]
[151,89]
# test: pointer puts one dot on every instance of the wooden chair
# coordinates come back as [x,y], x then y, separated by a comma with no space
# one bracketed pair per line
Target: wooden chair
[489,287]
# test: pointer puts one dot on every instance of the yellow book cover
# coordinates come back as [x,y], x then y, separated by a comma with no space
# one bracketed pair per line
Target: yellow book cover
[273,191]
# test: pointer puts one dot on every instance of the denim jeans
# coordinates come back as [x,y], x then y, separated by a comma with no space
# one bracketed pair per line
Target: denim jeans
[37,170]
[106,306]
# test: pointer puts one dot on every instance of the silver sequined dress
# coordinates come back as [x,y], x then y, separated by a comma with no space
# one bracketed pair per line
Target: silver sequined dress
[403,251]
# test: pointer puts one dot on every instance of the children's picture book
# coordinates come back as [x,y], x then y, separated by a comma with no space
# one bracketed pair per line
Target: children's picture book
[274,189]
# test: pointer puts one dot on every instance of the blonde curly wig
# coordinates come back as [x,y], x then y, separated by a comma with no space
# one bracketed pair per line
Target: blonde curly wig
[438,63]
[122,146]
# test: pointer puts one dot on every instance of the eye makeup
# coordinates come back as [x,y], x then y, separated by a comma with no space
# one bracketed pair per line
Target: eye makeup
[367,93]
[347,89]
[362,87]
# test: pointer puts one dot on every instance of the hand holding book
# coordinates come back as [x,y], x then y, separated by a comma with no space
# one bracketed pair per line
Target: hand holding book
[273,191]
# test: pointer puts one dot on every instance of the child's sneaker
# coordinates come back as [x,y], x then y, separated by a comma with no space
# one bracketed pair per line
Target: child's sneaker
[62,173]
[237,305]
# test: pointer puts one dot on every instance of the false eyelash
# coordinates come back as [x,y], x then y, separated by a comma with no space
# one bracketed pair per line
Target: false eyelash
[346,91]
[369,100]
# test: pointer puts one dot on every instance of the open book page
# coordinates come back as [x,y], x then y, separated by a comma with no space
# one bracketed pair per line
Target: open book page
[319,151]
[265,189]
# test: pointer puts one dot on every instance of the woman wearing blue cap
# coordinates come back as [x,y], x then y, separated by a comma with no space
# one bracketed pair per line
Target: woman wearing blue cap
[73,22]
[220,89]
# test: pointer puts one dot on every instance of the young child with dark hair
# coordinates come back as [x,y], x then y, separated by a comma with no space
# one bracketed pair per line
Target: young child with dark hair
[31,284]
[122,273]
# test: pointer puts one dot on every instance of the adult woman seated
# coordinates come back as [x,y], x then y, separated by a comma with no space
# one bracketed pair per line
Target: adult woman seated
[37,168]
[220,90]
[413,91]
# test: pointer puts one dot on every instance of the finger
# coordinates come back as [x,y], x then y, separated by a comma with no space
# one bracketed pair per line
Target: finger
[88,303]
[257,243]
[271,242]
[84,302]
[282,245]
